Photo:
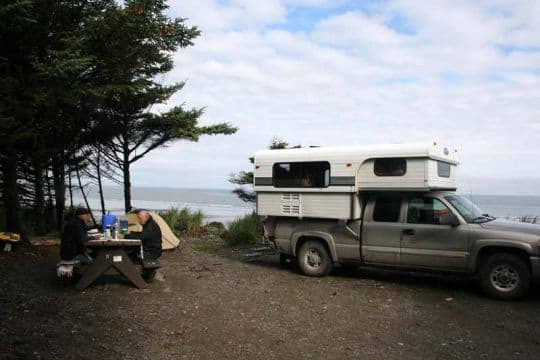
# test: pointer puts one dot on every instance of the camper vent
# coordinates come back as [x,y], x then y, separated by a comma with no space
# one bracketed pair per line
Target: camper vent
[290,209]
[290,196]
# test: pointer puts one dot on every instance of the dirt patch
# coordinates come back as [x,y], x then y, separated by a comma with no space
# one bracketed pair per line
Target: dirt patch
[215,306]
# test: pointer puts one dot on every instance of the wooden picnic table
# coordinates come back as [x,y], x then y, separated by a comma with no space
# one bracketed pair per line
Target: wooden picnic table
[112,254]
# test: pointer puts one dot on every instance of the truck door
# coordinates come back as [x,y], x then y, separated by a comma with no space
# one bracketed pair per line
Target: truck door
[427,243]
[382,228]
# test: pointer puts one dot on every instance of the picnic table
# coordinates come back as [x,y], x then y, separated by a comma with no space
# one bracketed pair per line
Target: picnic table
[112,254]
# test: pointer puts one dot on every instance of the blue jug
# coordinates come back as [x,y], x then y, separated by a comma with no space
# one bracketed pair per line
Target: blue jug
[108,220]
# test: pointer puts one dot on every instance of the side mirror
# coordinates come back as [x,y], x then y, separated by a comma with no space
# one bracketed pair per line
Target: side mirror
[449,219]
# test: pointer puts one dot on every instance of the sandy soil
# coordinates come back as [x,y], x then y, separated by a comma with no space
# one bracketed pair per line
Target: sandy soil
[213,306]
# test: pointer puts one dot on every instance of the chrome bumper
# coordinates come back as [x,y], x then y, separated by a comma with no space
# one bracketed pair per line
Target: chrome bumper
[535,267]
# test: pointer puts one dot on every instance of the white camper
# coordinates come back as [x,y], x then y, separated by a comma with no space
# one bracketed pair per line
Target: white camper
[322,182]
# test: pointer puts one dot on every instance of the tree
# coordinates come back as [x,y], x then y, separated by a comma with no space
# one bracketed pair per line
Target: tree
[100,168]
[136,48]
[69,95]
[78,80]
[245,178]
[17,36]
[47,95]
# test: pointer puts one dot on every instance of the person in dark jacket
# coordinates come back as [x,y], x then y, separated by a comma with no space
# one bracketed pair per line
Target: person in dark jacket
[75,236]
[150,236]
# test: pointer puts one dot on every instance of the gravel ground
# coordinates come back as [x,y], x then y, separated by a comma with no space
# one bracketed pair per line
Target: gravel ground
[215,306]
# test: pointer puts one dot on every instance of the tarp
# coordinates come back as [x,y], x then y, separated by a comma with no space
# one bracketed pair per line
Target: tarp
[169,240]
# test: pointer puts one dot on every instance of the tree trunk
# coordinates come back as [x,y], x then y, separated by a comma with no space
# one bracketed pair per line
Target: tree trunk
[127,188]
[84,196]
[127,178]
[100,184]
[70,189]
[59,178]
[50,204]
[11,192]
[39,205]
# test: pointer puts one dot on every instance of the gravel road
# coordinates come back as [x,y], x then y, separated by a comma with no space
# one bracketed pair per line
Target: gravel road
[216,307]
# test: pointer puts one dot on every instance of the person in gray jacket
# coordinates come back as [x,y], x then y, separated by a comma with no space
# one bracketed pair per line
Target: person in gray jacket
[150,236]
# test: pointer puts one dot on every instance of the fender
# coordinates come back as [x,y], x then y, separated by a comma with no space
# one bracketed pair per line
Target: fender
[326,237]
[481,244]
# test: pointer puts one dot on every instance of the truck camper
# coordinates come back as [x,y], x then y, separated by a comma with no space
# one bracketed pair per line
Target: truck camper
[391,206]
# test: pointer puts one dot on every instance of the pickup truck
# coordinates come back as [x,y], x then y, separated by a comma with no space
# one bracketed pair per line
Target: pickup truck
[433,231]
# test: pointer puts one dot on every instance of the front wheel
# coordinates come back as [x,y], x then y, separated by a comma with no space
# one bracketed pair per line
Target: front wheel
[505,276]
[314,259]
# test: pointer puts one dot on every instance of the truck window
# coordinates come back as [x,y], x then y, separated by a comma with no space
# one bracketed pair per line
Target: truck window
[387,208]
[313,174]
[443,169]
[425,210]
[390,167]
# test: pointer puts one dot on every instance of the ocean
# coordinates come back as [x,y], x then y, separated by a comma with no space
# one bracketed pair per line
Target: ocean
[222,205]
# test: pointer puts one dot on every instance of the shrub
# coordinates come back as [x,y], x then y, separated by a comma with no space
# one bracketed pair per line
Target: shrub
[184,221]
[245,230]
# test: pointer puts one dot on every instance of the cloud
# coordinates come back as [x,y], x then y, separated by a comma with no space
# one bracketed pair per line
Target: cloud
[464,73]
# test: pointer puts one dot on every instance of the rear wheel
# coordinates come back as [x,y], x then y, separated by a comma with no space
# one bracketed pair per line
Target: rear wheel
[505,276]
[314,259]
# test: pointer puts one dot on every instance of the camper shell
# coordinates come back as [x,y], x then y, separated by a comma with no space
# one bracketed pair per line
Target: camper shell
[388,206]
[324,182]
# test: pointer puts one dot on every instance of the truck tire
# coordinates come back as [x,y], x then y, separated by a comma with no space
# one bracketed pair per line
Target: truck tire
[314,259]
[505,276]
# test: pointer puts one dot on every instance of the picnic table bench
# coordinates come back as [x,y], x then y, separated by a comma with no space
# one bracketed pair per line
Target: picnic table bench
[112,255]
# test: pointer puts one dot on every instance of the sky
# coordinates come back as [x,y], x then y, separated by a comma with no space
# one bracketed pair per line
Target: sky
[338,72]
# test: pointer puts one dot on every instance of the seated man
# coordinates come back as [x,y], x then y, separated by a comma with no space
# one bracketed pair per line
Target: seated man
[150,237]
[75,236]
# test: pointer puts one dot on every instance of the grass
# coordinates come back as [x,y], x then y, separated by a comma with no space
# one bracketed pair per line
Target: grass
[184,221]
[242,231]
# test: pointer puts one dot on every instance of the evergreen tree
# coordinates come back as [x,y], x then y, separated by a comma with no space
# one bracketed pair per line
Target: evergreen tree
[136,47]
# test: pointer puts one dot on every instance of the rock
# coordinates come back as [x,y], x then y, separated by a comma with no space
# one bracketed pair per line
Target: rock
[159,276]
[216,224]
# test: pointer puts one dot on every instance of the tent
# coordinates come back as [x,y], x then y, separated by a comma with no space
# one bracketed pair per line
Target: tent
[169,240]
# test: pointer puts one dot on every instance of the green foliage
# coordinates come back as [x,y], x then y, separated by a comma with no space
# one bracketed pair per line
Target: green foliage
[76,76]
[243,231]
[134,49]
[184,221]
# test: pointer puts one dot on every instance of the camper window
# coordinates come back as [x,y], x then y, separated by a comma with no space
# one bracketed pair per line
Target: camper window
[315,174]
[443,169]
[390,167]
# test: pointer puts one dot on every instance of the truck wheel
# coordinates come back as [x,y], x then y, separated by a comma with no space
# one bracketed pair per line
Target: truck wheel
[505,276]
[314,259]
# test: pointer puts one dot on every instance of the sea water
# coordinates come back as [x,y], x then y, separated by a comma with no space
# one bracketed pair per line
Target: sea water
[222,205]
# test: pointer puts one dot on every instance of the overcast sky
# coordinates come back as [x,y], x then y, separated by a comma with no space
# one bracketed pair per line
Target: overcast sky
[331,72]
